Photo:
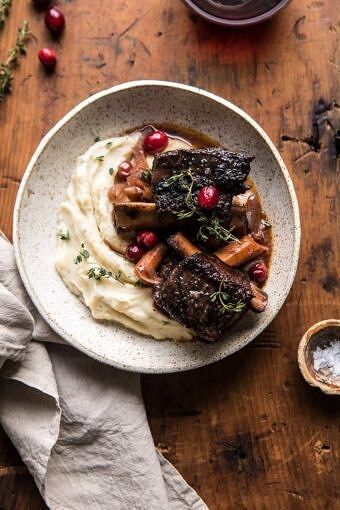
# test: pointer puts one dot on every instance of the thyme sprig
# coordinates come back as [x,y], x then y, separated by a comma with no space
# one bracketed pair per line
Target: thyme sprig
[98,272]
[82,255]
[5,6]
[185,181]
[211,226]
[13,57]
[223,299]
[64,235]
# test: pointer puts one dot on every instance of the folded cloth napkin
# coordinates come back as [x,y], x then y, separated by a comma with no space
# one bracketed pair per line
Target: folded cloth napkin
[79,426]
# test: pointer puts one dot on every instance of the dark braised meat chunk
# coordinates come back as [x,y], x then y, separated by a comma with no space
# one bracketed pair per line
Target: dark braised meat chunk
[177,177]
[204,294]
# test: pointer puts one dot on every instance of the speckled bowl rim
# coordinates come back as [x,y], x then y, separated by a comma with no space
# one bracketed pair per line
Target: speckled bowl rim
[59,125]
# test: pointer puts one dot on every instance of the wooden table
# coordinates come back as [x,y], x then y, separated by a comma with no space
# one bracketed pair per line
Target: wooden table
[248,432]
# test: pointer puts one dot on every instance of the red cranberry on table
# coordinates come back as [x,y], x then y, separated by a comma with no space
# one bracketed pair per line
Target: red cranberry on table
[258,272]
[208,197]
[134,253]
[48,58]
[155,141]
[124,170]
[54,20]
[147,239]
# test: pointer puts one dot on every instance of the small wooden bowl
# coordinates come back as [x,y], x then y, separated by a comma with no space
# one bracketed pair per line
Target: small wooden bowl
[316,336]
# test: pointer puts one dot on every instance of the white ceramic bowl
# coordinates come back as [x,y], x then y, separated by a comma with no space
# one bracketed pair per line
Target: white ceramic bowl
[43,187]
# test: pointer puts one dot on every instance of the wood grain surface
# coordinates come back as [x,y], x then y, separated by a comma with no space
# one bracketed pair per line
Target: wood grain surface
[248,432]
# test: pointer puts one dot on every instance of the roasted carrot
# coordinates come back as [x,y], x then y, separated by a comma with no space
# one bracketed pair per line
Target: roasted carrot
[239,252]
[146,268]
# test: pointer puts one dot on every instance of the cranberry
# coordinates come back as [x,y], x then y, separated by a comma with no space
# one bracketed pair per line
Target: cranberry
[48,58]
[208,197]
[147,239]
[134,252]
[124,170]
[258,272]
[54,20]
[155,141]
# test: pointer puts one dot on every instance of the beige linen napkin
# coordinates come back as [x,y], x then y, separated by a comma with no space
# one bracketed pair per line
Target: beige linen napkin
[80,426]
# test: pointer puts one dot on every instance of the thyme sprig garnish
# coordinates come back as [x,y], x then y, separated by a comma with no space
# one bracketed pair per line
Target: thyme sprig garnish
[4,10]
[13,57]
[64,235]
[99,158]
[211,226]
[223,299]
[82,255]
[98,272]
[185,181]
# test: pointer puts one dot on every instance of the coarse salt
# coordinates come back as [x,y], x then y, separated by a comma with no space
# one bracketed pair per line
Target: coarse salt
[328,358]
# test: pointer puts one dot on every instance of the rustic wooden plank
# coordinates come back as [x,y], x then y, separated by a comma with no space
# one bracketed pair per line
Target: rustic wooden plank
[247,433]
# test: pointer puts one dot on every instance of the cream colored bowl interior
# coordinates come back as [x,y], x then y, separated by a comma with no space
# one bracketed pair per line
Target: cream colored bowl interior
[109,113]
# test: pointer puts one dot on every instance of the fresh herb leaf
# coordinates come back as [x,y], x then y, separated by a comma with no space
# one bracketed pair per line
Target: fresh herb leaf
[145,175]
[64,236]
[185,181]
[180,177]
[97,272]
[84,252]
[111,171]
[82,255]
[118,275]
[97,139]
[99,158]
[13,57]
[227,305]
[108,144]
[4,10]
[211,226]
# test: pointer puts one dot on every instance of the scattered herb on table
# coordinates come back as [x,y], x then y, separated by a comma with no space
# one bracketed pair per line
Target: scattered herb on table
[223,299]
[4,10]
[97,139]
[64,236]
[13,57]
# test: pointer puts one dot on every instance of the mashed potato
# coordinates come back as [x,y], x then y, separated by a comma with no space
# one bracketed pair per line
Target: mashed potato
[86,230]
